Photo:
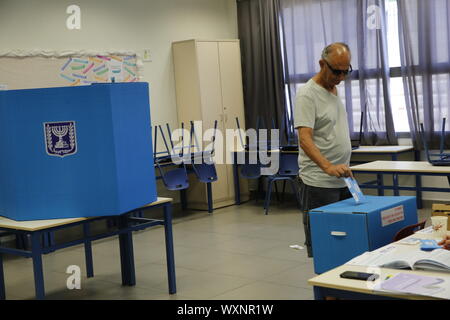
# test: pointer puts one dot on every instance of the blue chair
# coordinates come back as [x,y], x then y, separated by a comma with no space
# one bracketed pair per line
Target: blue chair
[250,171]
[174,179]
[287,171]
[205,172]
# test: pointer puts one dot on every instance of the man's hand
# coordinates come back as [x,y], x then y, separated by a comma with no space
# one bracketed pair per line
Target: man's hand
[339,170]
[445,243]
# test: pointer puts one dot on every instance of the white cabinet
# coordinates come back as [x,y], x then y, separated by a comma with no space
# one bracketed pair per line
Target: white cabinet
[208,81]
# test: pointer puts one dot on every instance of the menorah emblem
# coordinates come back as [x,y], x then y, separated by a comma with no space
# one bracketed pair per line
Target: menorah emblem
[60,131]
[60,138]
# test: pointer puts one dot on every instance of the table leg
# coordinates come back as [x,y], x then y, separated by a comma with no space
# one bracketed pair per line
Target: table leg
[183,199]
[380,184]
[2,279]
[418,183]
[395,178]
[419,192]
[126,253]
[237,187]
[318,293]
[51,239]
[209,191]
[88,251]
[169,248]
[36,252]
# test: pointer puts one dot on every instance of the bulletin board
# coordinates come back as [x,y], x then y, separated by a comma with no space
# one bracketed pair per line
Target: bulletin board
[43,69]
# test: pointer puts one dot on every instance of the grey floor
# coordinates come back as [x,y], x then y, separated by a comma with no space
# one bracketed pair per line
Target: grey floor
[235,253]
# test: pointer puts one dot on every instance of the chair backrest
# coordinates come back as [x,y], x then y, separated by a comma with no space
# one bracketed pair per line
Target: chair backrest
[409,230]
[441,142]
[357,142]
[250,171]
[425,145]
[437,156]
[175,179]
[288,164]
[205,172]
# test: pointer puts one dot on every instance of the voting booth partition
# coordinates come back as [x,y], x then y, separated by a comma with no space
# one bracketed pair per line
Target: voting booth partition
[75,151]
[344,230]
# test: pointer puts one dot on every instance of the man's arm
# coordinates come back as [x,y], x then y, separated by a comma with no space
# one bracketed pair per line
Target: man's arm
[305,135]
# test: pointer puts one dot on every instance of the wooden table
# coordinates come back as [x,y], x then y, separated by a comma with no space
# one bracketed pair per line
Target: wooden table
[330,284]
[415,168]
[126,223]
[392,151]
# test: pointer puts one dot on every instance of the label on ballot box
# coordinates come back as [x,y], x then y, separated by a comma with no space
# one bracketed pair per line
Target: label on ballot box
[75,151]
[392,215]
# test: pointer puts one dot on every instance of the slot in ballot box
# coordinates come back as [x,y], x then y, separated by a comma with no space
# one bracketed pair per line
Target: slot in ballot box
[75,151]
[344,230]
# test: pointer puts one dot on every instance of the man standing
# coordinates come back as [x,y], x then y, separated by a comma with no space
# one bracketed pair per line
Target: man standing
[325,148]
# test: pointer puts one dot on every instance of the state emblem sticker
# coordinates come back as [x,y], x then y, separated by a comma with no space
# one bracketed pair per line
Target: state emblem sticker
[60,138]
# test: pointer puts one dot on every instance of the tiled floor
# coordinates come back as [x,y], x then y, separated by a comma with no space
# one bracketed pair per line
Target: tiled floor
[235,253]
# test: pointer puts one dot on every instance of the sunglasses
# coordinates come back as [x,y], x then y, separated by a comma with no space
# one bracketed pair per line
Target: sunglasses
[337,72]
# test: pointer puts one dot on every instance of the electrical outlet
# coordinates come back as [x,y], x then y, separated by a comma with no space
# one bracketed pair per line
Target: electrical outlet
[146,56]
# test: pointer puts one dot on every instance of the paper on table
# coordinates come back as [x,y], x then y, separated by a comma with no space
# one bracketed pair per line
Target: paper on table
[373,258]
[416,284]
[426,230]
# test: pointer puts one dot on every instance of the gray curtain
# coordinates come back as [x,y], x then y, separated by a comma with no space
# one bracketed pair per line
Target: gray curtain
[310,25]
[424,28]
[262,65]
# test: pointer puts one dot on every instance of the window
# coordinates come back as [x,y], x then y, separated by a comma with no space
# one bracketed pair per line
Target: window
[306,47]
[398,103]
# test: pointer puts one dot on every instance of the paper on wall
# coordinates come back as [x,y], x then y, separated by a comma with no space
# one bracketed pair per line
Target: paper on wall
[115,70]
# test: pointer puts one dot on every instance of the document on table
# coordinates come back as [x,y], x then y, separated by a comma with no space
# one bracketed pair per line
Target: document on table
[406,283]
[374,258]
[428,230]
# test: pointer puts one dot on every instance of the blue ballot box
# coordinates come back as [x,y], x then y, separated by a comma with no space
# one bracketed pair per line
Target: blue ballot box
[75,151]
[344,230]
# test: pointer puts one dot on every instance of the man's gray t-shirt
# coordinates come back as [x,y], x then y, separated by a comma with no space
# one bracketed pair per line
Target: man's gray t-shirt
[324,112]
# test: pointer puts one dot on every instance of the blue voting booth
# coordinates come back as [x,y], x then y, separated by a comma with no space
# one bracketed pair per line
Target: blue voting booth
[344,230]
[75,151]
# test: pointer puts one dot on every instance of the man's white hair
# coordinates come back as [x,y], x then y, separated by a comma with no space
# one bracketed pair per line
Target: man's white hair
[331,47]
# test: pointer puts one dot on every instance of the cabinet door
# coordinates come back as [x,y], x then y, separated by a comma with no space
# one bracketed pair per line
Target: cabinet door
[211,97]
[232,96]
[231,80]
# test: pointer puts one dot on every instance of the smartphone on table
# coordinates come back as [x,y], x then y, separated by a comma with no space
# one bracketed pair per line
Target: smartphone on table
[359,275]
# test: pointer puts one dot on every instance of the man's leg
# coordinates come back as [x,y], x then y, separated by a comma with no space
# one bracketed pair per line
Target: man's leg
[314,197]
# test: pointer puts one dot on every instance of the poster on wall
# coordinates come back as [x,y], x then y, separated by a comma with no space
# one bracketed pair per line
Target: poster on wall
[97,69]
[39,71]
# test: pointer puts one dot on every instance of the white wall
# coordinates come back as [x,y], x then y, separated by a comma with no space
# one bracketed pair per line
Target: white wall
[124,25]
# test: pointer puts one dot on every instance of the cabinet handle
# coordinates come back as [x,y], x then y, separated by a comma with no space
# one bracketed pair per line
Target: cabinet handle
[338,233]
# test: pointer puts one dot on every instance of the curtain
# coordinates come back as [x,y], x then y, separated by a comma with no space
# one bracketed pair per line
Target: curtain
[424,28]
[262,65]
[310,25]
